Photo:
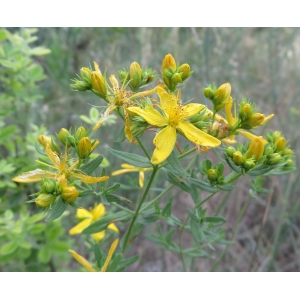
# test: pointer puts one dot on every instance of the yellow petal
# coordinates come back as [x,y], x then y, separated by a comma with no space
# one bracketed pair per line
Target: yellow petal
[114,82]
[141,179]
[98,211]
[150,115]
[82,260]
[167,101]
[164,142]
[95,145]
[229,141]
[251,136]
[228,112]
[143,94]
[98,236]
[118,172]
[89,179]
[196,135]
[113,227]
[34,176]
[79,227]
[82,213]
[53,156]
[266,119]
[128,166]
[192,108]
[127,130]
[109,255]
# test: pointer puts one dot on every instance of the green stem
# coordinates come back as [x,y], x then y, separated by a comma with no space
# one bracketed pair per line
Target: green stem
[142,146]
[216,264]
[155,168]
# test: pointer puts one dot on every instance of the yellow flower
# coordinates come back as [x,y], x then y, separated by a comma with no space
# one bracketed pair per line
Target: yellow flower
[120,97]
[62,167]
[88,266]
[256,148]
[129,168]
[88,218]
[173,118]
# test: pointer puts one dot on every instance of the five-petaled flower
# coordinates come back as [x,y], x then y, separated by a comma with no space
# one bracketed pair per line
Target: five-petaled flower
[88,218]
[174,117]
[129,168]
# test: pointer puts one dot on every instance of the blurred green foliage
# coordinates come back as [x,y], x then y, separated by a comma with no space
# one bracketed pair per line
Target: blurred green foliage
[262,64]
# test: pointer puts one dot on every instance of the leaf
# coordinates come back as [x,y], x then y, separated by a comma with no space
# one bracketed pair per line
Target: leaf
[176,180]
[8,248]
[116,198]
[214,220]
[39,51]
[260,170]
[97,254]
[44,255]
[128,261]
[7,132]
[166,212]
[203,185]
[226,187]
[112,188]
[92,165]
[233,166]
[58,210]
[59,246]
[196,230]
[104,221]
[131,158]
[175,163]
[206,165]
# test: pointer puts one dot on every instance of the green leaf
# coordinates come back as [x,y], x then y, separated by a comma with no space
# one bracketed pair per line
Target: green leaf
[197,253]
[206,165]
[196,230]
[59,246]
[116,198]
[166,212]
[281,171]
[24,244]
[97,254]
[203,185]
[176,181]
[58,209]
[214,220]
[175,163]
[226,187]
[233,166]
[7,132]
[112,267]
[39,51]
[3,34]
[44,255]
[128,261]
[131,158]
[85,119]
[8,248]
[92,165]
[104,221]
[112,188]
[85,193]
[260,170]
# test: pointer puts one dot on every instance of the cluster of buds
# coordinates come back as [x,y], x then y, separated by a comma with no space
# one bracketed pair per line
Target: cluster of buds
[248,117]
[173,75]
[80,141]
[136,77]
[201,119]
[215,174]
[219,96]
[91,80]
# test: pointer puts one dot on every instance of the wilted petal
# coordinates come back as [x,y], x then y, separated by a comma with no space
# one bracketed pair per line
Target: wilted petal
[164,142]
[53,156]
[82,260]
[119,172]
[89,179]
[34,176]
[266,119]
[109,255]
[196,135]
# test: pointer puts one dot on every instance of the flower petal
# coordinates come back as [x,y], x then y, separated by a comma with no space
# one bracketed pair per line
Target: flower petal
[82,213]
[34,176]
[98,212]
[82,260]
[89,179]
[113,227]
[251,136]
[168,102]
[266,119]
[53,156]
[98,236]
[192,108]
[109,255]
[141,179]
[79,227]
[119,172]
[196,135]
[150,115]
[164,142]
[128,166]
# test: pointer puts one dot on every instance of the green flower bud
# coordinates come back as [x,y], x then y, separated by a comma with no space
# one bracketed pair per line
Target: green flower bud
[212,175]
[86,75]
[276,135]
[80,133]
[249,164]
[289,162]
[273,159]
[84,147]
[80,86]
[48,185]
[176,78]
[136,73]
[222,94]
[238,158]
[287,152]
[123,75]
[69,193]
[230,151]
[44,200]
[269,150]
[98,83]
[63,136]
[255,120]
[245,112]
[185,69]
[208,93]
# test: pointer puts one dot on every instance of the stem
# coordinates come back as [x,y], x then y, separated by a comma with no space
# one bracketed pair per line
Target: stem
[216,264]
[144,149]
[155,168]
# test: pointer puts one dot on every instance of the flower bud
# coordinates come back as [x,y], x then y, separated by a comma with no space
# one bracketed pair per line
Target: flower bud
[273,159]
[185,70]
[85,74]
[44,140]
[269,150]
[276,135]
[44,200]
[48,185]
[169,63]
[208,93]
[249,164]
[280,144]
[289,162]
[287,152]
[176,78]
[80,133]
[245,112]
[84,147]
[80,85]
[136,73]
[222,94]
[212,174]
[63,136]
[229,151]
[69,193]
[255,120]
[238,158]
[123,75]
[256,149]
[98,83]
